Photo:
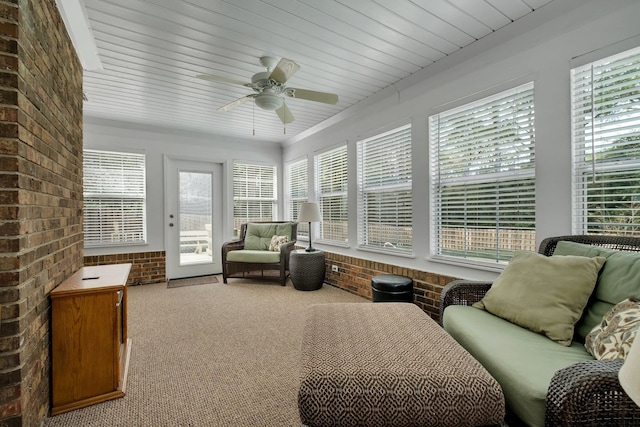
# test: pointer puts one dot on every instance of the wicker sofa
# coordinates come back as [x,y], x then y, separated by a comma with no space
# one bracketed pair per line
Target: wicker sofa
[250,257]
[546,383]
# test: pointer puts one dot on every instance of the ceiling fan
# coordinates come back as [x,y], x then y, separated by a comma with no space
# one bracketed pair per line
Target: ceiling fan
[270,90]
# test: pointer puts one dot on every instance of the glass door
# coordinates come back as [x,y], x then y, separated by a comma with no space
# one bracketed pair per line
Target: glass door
[193,218]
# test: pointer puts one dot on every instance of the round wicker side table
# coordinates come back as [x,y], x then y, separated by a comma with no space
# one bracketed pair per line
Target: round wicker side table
[307,269]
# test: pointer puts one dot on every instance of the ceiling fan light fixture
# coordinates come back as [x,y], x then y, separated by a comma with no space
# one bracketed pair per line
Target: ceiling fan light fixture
[268,101]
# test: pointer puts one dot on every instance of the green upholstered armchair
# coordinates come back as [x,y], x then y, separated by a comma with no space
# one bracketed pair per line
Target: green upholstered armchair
[257,254]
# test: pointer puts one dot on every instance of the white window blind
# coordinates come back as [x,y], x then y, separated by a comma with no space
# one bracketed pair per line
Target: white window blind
[606,145]
[384,191]
[297,189]
[114,198]
[331,190]
[254,193]
[483,178]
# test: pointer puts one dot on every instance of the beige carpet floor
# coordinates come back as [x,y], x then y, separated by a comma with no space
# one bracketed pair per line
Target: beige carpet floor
[215,355]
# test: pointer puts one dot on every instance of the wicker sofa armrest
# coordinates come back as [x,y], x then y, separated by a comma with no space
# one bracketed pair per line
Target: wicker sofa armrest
[589,393]
[462,292]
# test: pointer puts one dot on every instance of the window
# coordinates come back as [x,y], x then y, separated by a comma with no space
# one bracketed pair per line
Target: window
[254,194]
[297,188]
[384,191]
[606,145]
[114,198]
[483,178]
[331,189]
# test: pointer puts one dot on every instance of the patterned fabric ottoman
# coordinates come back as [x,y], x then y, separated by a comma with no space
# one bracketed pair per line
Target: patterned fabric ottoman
[390,365]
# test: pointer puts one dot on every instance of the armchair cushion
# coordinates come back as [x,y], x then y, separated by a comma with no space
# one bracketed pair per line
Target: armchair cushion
[618,280]
[523,362]
[259,236]
[544,294]
[252,256]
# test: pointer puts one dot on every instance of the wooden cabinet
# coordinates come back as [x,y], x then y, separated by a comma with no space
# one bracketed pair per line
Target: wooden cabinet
[89,344]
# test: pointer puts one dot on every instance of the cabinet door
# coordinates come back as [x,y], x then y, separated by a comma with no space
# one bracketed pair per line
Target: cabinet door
[83,353]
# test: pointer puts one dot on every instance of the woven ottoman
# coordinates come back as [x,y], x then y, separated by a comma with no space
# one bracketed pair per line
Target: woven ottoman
[390,365]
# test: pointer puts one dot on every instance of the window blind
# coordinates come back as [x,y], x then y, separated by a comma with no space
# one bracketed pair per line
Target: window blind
[297,189]
[114,198]
[331,190]
[483,178]
[606,145]
[384,191]
[254,193]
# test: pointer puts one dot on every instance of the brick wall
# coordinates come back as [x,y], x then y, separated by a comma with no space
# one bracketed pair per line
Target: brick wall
[354,275]
[40,195]
[147,267]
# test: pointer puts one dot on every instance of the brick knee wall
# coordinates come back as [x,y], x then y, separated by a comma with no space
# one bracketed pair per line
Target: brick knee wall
[355,274]
[147,267]
[40,196]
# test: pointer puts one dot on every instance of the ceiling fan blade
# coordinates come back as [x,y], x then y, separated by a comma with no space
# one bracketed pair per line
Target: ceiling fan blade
[311,95]
[221,79]
[284,70]
[235,103]
[284,113]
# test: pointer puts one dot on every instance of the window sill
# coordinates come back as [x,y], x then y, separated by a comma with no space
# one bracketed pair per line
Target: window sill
[478,265]
[116,245]
[333,243]
[386,252]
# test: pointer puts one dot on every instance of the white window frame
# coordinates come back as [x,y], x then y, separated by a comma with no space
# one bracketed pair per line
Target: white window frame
[114,189]
[255,184]
[331,181]
[482,177]
[297,192]
[385,218]
[605,123]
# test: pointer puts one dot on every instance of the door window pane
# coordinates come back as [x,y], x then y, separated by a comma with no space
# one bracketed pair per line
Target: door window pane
[195,217]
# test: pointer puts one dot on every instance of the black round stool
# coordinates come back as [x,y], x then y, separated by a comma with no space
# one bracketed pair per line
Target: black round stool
[392,288]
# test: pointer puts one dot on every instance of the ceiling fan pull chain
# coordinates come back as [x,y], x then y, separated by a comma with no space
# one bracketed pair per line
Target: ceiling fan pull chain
[253,114]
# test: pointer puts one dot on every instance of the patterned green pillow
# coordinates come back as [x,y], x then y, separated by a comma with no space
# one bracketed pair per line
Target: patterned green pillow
[277,242]
[612,338]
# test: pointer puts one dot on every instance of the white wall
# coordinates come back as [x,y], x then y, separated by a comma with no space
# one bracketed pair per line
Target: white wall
[156,143]
[538,48]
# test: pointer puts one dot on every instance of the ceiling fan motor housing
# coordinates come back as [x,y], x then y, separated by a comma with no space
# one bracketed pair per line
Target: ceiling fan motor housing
[268,101]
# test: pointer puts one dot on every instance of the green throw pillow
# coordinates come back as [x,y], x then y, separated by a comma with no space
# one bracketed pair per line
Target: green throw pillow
[543,294]
[619,279]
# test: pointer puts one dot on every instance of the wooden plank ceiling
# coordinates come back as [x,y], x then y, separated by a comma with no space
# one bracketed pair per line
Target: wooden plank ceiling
[152,50]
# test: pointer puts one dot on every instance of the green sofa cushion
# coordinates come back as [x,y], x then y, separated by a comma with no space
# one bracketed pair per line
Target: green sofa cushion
[523,362]
[248,255]
[619,279]
[258,236]
[544,294]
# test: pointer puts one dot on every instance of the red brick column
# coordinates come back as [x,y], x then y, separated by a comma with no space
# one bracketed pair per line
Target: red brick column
[40,195]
